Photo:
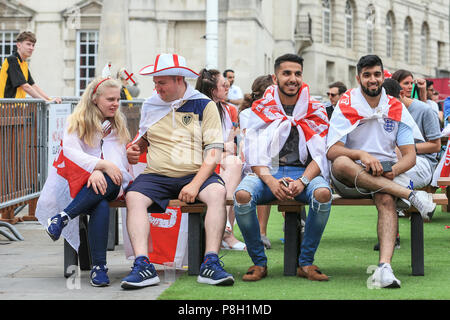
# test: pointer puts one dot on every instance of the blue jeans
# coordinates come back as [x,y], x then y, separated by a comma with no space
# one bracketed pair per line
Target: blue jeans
[260,193]
[96,205]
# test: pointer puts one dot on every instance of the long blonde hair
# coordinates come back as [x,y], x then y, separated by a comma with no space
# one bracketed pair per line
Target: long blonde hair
[86,119]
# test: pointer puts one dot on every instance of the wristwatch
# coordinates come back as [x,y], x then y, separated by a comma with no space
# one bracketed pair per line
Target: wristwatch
[304,180]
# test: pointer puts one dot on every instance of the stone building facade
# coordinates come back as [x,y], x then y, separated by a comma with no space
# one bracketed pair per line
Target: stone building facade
[330,34]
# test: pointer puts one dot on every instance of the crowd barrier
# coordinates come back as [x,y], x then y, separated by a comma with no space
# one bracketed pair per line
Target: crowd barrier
[24,136]
[23,132]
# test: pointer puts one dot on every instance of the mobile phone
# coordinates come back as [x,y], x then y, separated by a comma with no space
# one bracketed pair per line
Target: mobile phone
[387,166]
[285,183]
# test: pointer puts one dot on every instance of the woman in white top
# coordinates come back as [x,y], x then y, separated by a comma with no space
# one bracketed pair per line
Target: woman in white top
[90,170]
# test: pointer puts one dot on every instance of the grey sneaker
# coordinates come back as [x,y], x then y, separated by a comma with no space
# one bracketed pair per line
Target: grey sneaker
[423,202]
[383,277]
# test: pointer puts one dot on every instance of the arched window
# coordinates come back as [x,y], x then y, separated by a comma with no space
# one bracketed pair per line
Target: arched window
[370,21]
[407,31]
[424,34]
[326,21]
[389,35]
[348,25]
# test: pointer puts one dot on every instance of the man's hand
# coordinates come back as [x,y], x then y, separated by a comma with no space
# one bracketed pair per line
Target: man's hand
[279,190]
[371,163]
[189,193]
[295,186]
[392,174]
[133,153]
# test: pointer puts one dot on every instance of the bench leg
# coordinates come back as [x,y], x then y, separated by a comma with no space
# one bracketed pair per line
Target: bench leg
[112,228]
[195,243]
[417,246]
[70,259]
[291,243]
[84,251]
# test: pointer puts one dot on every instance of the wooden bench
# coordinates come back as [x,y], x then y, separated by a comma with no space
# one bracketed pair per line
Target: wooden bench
[292,233]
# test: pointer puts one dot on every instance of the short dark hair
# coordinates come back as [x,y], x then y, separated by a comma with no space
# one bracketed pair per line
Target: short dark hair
[338,84]
[26,36]
[429,83]
[392,87]
[288,57]
[370,60]
[226,71]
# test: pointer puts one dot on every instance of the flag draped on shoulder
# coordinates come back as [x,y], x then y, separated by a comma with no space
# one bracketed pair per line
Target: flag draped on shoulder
[71,169]
[168,230]
[268,128]
[353,108]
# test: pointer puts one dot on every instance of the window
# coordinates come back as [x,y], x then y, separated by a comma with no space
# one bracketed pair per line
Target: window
[7,44]
[424,44]
[348,25]
[407,38]
[326,22]
[370,21]
[87,45]
[389,35]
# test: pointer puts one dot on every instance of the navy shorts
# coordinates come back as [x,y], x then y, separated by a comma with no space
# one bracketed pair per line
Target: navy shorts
[161,189]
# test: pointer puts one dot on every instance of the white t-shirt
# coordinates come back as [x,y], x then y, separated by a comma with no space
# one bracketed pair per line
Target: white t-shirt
[235,93]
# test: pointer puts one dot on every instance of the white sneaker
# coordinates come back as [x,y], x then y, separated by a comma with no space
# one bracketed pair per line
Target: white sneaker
[404,181]
[423,202]
[383,277]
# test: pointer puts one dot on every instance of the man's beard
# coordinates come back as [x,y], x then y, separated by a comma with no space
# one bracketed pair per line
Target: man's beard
[371,93]
[287,94]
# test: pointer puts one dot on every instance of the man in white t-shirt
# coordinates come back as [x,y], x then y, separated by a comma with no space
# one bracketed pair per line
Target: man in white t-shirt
[235,95]
[365,129]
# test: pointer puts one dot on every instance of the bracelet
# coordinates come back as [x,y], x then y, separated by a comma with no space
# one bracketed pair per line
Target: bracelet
[415,147]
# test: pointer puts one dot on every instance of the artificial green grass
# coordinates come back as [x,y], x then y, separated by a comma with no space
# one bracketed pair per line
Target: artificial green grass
[345,255]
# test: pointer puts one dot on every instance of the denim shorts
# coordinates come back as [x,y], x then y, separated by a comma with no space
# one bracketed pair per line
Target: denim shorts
[161,189]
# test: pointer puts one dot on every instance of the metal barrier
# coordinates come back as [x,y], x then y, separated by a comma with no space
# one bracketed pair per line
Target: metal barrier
[23,139]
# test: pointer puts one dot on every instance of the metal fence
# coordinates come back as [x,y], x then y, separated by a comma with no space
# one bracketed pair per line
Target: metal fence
[23,133]
[24,148]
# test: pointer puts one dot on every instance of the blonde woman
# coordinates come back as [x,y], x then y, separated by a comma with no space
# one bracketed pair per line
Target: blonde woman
[90,170]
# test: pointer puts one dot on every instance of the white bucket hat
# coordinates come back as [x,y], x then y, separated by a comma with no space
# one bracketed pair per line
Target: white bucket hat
[167,64]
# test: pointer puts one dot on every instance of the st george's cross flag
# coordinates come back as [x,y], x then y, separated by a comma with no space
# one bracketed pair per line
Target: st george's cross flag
[71,170]
[269,127]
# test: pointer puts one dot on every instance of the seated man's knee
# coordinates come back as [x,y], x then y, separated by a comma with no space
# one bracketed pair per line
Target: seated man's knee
[322,195]
[243,197]
[384,200]
[340,165]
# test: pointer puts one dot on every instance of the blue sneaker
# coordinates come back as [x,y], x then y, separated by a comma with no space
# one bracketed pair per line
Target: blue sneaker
[55,226]
[212,272]
[98,276]
[142,274]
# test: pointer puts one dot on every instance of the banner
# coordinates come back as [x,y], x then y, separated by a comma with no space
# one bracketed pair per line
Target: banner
[57,116]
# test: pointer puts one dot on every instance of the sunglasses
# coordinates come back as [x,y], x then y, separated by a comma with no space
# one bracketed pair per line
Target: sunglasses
[331,94]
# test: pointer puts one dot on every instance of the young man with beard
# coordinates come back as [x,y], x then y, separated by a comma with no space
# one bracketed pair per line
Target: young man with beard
[285,146]
[366,127]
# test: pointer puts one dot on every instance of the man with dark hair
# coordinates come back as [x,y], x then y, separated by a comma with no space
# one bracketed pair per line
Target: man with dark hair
[365,129]
[429,100]
[285,149]
[335,92]
[235,95]
[15,78]
[392,87]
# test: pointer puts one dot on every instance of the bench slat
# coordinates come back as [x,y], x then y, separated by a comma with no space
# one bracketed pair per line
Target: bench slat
[443,181]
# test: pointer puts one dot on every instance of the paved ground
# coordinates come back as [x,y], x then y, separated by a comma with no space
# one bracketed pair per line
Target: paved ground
[33,269]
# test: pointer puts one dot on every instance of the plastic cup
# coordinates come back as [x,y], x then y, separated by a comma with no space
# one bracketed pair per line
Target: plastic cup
[169,272]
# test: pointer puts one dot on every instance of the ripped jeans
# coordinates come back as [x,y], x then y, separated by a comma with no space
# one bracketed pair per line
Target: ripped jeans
[260,193]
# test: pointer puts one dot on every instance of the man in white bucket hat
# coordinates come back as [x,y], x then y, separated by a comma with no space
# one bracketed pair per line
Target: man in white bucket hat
[184,132]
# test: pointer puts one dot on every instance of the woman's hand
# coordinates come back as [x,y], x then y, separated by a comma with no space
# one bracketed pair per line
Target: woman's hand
[98,182]
[111,170]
